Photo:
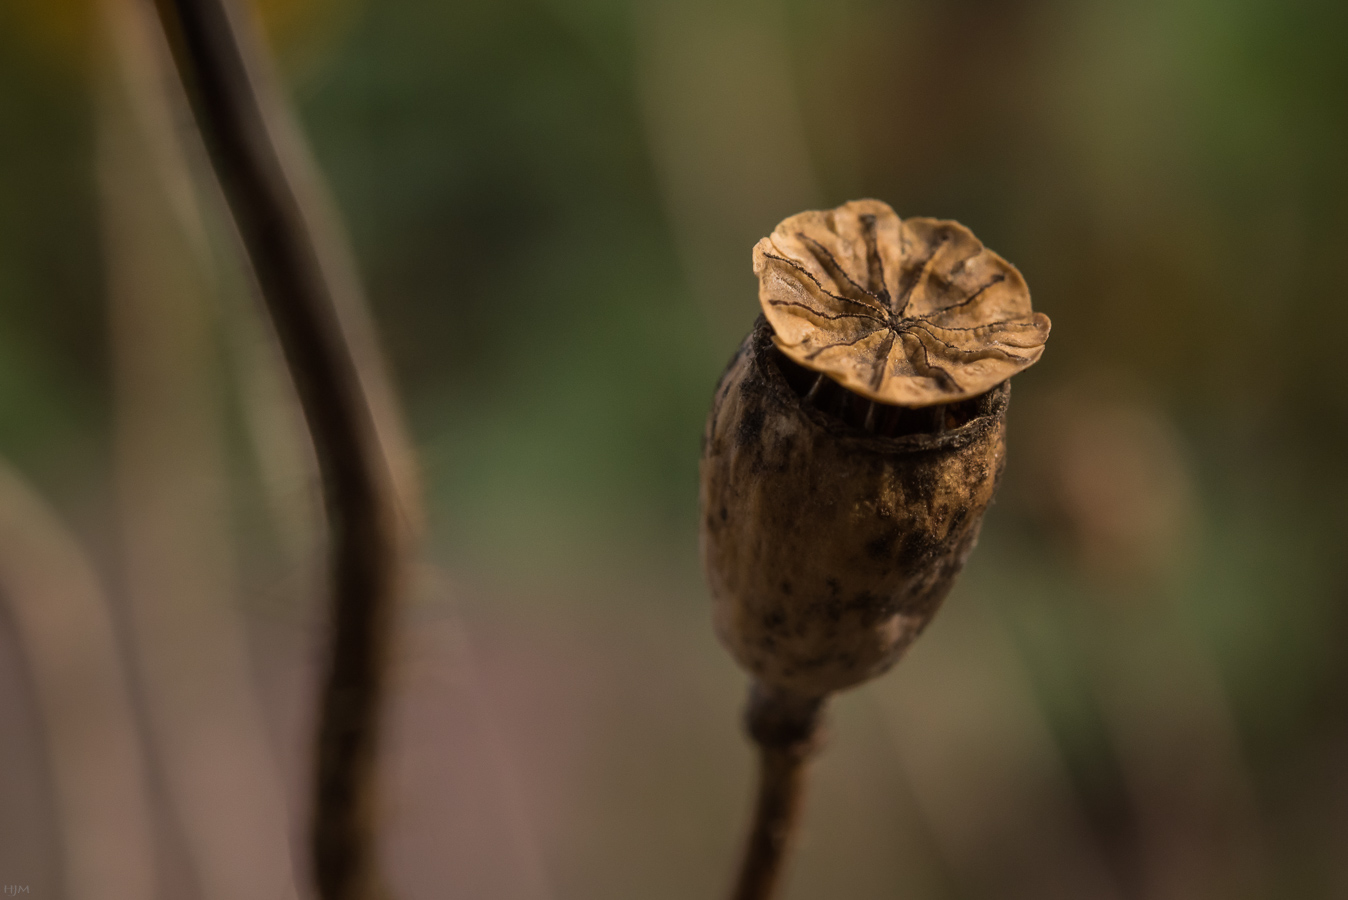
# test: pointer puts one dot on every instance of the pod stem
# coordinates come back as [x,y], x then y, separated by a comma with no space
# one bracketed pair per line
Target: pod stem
[785,726]
[251,141]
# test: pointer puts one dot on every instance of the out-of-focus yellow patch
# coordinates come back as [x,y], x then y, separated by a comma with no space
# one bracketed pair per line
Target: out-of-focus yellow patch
[64,30]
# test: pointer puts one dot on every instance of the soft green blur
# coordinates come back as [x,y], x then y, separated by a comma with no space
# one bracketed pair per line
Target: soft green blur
[1139,688]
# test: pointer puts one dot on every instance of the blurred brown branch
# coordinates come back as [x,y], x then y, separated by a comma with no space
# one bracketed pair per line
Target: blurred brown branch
[243,123]
[206,731]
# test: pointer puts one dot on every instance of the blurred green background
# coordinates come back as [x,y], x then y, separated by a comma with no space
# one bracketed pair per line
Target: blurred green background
[1136,691]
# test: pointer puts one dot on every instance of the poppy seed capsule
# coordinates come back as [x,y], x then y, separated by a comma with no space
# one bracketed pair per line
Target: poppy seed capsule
[829,545]
[856,440]
[854,443]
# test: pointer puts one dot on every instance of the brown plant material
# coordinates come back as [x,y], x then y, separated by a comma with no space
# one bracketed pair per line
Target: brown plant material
[216,773]
[854,443]
[828,548]
[253,148]
[786,728]
[914,312]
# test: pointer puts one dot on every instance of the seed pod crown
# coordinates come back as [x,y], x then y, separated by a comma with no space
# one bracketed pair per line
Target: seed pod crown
[912,312]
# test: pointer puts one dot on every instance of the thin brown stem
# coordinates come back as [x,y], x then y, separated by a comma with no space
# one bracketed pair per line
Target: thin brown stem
[786,729]
[243,124]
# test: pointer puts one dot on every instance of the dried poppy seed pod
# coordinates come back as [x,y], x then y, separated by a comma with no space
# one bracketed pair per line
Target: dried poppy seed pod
[856,440]
[828,548]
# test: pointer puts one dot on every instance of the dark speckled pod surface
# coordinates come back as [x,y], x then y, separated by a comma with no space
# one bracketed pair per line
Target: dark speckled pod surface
[828,548]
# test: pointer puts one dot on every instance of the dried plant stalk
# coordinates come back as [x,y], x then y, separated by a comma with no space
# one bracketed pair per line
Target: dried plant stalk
[785,726]
[243,124]
[222,784]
